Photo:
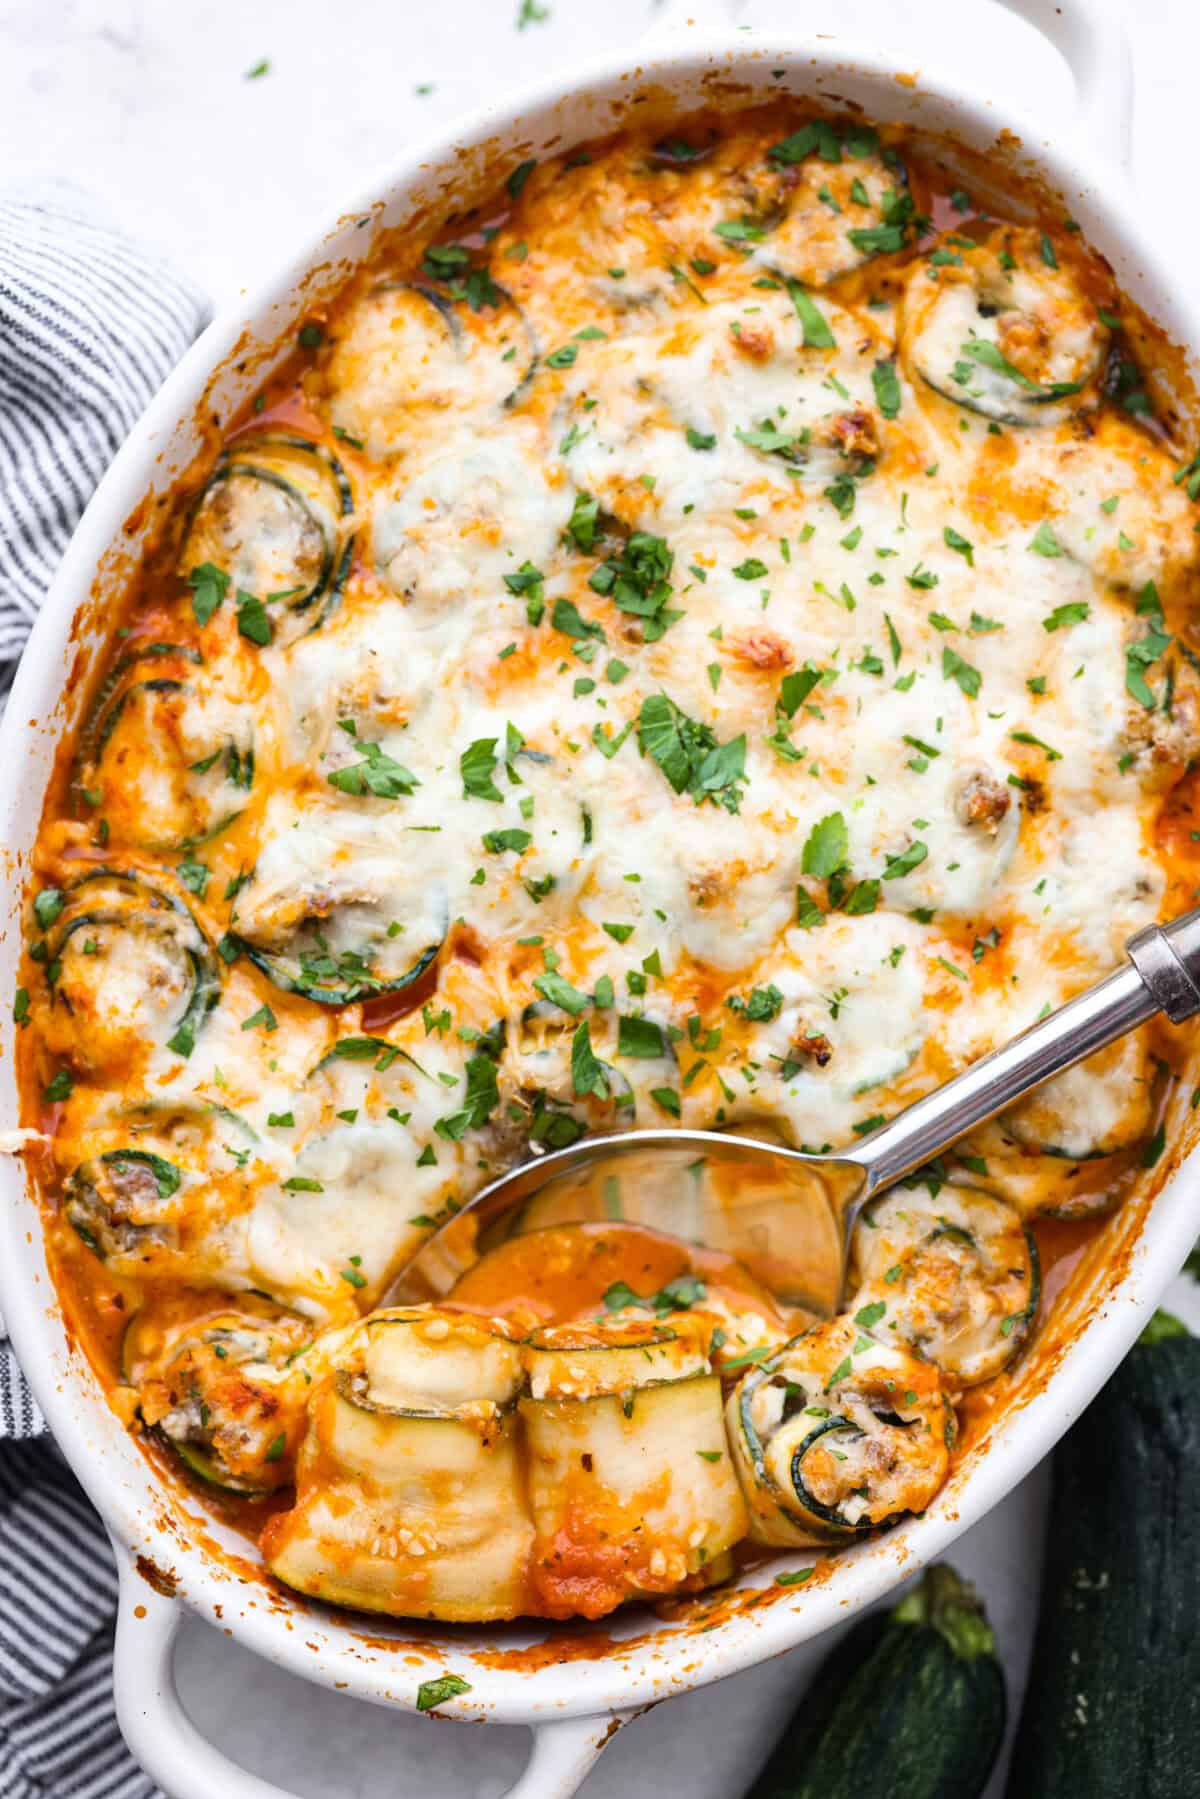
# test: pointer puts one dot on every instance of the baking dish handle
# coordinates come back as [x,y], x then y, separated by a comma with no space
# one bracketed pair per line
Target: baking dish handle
[186,1765]
[1089,35]
[1091,38]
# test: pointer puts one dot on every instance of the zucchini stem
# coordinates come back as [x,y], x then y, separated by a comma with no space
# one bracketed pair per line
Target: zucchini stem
[945,1602]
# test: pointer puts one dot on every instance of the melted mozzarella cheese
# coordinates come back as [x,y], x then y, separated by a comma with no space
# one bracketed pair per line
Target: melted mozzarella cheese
[736,696]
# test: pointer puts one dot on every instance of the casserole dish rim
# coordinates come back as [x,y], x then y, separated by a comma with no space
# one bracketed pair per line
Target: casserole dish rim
[146,1522]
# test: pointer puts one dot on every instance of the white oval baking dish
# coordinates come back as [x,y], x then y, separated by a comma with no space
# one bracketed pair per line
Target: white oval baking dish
[170,1552]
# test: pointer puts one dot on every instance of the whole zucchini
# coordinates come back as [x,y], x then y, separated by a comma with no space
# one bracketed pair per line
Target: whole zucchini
[1113,1704]
[910,1705]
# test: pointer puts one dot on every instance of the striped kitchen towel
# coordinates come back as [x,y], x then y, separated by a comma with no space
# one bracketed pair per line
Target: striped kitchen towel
[90,324]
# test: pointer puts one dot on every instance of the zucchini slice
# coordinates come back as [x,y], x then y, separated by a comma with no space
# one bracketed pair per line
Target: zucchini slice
[1147,536]
[951,1273]
[752,383]
[460,518]
[172,758]
[226,1393]
[911,1702]
[1005,327]
[127,963]
[826,199]
[1071,1149]
[335,910]
[589,1358]
[836,1433]
[415,1359]
[410,352]
[340,958]
[629,1473]
[148,667]
[273,516]
[540,1066]
[1095,1109]
[126,1203]
[401,1506]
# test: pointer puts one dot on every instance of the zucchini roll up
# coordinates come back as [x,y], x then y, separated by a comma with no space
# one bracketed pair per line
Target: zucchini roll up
[409,1498]
[274,518]
[129,970]
[952,1274]
[629,1476]
[226,1391]
[836,1433]
[1007,327]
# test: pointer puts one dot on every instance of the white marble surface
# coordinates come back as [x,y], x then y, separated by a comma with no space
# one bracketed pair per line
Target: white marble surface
[146,103]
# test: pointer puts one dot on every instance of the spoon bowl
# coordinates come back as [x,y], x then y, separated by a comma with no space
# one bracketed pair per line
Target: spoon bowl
[786,1214]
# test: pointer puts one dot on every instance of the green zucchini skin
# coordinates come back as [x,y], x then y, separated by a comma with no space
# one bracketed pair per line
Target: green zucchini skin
[1112,1710]
[910,1705]
[337,993]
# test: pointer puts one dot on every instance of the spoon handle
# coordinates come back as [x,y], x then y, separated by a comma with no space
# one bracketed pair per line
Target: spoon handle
[1162,975]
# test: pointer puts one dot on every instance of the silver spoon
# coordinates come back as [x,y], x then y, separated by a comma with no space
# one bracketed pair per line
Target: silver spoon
[789,1215]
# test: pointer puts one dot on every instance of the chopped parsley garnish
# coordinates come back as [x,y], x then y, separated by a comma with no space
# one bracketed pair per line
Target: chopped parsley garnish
[482,1098]
[377,773]
[209,585]
[825,847]
[449,1686]
[772,441]
[639,1038]
[581,525]
[954,540]
[739,231]
[862,899]
[519,176]
[886,383]
[1140,656]
[264,1017]
[588,1072]
[638,582]
[906,861]
[795,688]
[689,754]
[512,838]
[47,906]
[1052,755]
[841,495]
[252,620]
[1073,613]
[477,764]
[992,357]
[560,992]
[1044,543]
[567,618]
[527,580]
[759,1006]
[813,323]
[676,1295]
[955,669]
